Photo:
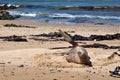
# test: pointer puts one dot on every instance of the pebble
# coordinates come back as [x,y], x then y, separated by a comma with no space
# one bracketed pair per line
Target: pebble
[21,65]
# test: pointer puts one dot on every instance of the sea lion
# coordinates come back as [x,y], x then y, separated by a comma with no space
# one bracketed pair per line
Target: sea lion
[77,54]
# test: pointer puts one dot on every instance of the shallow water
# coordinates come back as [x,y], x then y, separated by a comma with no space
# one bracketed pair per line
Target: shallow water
[68,11]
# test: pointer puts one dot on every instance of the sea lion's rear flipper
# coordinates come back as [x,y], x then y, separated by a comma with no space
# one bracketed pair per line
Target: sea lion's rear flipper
[68,38]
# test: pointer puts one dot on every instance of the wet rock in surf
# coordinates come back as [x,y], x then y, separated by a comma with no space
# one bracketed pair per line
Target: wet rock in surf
[8,6]
[4,15]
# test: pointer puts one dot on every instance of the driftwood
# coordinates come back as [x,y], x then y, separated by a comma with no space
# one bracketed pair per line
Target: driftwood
[76,54]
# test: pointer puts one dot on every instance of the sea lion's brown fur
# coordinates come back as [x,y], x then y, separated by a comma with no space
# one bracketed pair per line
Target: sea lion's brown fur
[76,54]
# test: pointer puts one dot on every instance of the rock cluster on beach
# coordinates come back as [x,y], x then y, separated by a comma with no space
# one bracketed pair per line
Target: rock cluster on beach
[79,37]
[98,45]
[15,38]
[4,15]
[20,26]
[8,6]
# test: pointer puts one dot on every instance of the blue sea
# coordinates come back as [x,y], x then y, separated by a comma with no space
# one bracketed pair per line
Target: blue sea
[67,11]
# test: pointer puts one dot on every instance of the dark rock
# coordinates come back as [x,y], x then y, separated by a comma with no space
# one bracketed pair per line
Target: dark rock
[21,65]
[51,34]
[4,15]
[116,72]
[12,73]
[100,23]
[3,7]
[97,37]
[104,37]
[15,38]
[14,25]
[78,37]
[17,16]
[55,35]
[2,63]
[9,62]
[114,47]
[8,6]
[97,45]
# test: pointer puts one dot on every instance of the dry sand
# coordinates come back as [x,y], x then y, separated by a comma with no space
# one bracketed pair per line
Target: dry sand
[36,60]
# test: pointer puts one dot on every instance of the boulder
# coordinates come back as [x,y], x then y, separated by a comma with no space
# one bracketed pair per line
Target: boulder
[4,15]
[8,6]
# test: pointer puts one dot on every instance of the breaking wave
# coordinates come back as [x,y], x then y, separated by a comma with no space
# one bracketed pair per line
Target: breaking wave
[28,14]
[58,15]
[61,15]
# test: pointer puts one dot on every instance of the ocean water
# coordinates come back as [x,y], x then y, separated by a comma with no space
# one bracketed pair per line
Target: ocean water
[67,11]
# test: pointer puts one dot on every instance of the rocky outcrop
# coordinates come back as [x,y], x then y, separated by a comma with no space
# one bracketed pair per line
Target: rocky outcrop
[8,6]
[4,15]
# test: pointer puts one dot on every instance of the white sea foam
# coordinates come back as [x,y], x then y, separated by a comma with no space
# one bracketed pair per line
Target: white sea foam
[22,13]
[58,15]
[28,14]
[61,15]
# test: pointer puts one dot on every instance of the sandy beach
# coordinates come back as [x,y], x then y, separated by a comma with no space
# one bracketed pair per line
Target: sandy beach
[43,58]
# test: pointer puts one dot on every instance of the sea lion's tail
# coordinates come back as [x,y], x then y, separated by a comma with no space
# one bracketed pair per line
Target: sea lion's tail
[68,38]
